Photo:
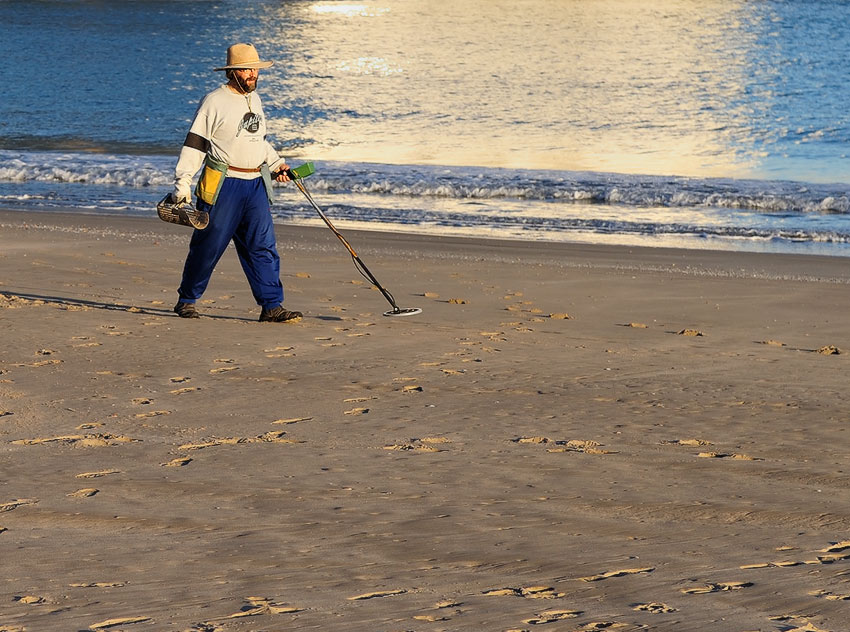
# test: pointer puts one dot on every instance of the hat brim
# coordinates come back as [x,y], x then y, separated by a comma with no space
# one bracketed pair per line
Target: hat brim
[249,65]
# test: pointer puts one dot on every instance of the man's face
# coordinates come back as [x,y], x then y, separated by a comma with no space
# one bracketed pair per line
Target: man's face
[247,78]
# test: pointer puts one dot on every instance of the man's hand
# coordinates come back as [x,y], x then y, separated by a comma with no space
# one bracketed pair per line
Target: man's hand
[282,174]
[179,198]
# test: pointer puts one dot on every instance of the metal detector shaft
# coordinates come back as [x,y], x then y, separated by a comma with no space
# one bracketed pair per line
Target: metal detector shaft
[396,309]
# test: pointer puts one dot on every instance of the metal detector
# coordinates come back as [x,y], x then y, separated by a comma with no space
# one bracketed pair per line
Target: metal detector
[297,174]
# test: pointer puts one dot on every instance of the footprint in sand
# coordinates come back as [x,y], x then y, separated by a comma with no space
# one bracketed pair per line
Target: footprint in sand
[690,332]
[83,345]
[178,462]
[85,440]
[620,573]
[836,547]
[431,618]
[29,599]
[806,627]
[829,350]
[258,606]
[551,616]
[152,413]
[779,564]
[654,608]
[204,444]
[722,455]
[83,493]
[530,592]
[718,587]
[281,354]
[291,420]
[829,596]
[687,442]
[97,474]
[224,369]
[836,552]
[377,595]
[831,557]
[39,363]
[494,336]
[276,436]
[573,445]
[89,426]
[579,445]
[111,623]
[531,440]
[560,316]
[11,301]
[418,445]
[179,379]
[356,411]
[98,585]
[185,389]
[278,349]
[457,301]
[14,504]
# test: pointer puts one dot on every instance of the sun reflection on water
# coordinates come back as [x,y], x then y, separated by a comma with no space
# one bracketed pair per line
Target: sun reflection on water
[369,66]
[349,10]
[613,85]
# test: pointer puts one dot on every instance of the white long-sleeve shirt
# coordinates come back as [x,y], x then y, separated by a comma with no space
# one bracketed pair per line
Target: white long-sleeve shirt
[230,127]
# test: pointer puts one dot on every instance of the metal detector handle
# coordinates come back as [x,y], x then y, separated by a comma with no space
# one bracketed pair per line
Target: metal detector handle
[297,173]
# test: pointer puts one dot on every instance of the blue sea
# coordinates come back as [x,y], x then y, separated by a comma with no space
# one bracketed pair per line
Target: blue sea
[713,124]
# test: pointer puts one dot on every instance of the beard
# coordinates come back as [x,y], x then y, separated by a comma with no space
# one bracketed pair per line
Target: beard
[245,85]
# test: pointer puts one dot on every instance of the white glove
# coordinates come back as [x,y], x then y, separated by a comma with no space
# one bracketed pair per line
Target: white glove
[178,197]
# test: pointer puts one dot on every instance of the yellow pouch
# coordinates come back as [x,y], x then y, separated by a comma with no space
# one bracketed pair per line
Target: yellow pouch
[212,177]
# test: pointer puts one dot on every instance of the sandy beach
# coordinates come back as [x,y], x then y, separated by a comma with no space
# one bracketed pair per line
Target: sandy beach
[567,438]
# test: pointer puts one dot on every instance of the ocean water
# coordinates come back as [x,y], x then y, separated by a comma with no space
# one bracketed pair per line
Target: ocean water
[694,123]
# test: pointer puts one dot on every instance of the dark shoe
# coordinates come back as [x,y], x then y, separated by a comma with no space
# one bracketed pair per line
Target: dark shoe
[278,315]
[186,310]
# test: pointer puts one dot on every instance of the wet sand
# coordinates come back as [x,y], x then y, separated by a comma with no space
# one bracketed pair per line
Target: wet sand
[567,438]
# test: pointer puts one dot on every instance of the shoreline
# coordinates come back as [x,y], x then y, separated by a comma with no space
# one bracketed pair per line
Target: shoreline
[695,261]
[584,435]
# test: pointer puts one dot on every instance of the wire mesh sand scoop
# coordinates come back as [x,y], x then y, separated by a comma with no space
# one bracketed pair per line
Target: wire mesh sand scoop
[297,174]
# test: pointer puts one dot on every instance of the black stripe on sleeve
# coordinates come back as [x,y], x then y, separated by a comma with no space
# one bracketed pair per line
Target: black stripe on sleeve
[195,141]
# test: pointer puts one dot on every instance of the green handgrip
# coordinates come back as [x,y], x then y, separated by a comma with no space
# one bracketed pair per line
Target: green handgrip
[303,171]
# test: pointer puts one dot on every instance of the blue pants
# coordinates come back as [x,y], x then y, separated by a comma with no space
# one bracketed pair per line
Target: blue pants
[242,214]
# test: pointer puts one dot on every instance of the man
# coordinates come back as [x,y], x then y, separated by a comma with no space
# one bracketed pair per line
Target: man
[228,139]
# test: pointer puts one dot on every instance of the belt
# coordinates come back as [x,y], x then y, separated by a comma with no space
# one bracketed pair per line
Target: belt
[241,170]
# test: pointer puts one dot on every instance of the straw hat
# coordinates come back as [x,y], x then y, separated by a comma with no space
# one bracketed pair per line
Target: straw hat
[243,56]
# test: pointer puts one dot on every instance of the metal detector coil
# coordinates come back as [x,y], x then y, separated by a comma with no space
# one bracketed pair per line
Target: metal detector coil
[182,213]
[297,174]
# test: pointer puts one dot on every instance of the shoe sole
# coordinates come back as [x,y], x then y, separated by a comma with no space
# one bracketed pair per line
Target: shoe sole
[287,320]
